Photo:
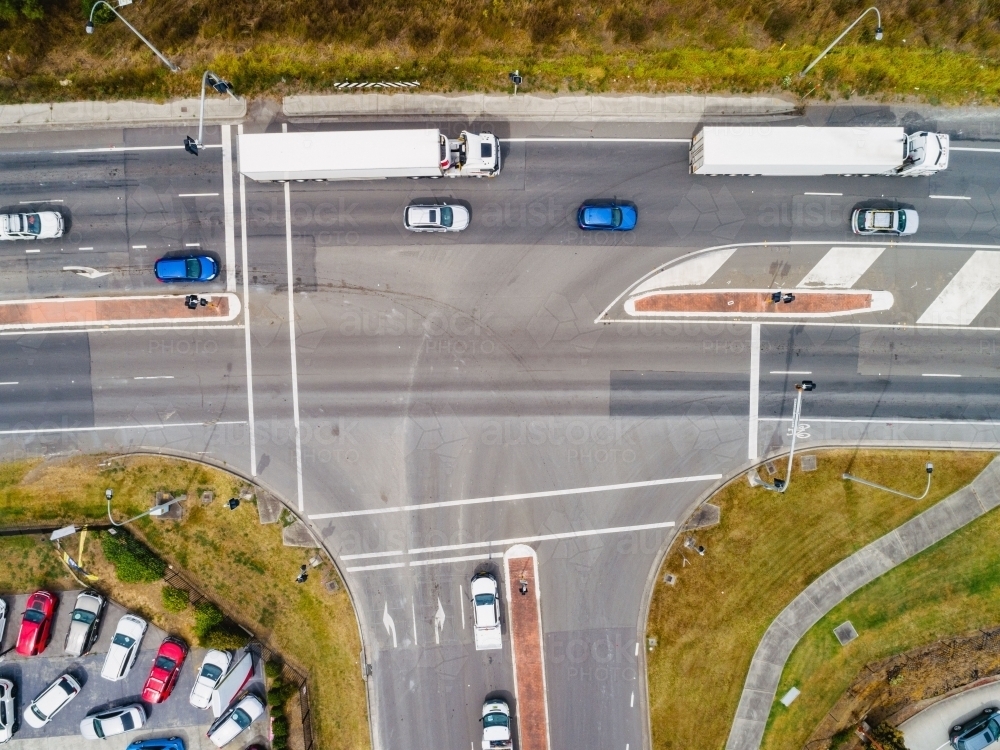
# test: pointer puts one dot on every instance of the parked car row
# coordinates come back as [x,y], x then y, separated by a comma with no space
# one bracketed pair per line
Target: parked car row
[216,685]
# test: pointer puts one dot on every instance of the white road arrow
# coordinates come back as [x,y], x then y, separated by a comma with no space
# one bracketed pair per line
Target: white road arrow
[438,622]
[390,626]
[90,273]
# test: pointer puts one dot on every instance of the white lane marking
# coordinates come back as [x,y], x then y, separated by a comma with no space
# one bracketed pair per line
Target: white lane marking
[64,430]
[822,194]
[968,292]
[291,344]
[978,424]
[227,200]
[461,602]
[390,626]
[439,618]
[462,559]
[201,195]
[47,200]
[110,149]
[520,496]
[979,150]
[791,372]
[939,375]
[545,537]
[33,250]
[367,555]
[754,390]
[85,248]
[413,612]
[246,319]
[138,247]
[694,272]
[637,648]
[153,377]
[9,382]
[631,703]
[841,267]
[596,140]
[45,332]
[384,566]
[198,244]
[951,197]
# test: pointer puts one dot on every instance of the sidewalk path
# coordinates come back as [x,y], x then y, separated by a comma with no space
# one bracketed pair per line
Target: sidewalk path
[69,115]
[117,311]
[831,588]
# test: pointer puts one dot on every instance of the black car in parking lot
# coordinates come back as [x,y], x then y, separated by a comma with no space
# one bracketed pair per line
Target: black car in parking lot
[977,733]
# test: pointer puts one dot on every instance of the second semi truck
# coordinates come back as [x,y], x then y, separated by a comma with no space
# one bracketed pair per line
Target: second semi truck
[807,151]
[367,155]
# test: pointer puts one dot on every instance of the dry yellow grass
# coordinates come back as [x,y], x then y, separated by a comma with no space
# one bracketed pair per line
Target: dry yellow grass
[766,549]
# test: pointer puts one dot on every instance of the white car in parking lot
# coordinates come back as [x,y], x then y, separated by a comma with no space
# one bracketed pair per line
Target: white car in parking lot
[51,701]
[104,724]
[6,710]
[124,648]
[437,218]
[239,716]
[213,668]
[42,225]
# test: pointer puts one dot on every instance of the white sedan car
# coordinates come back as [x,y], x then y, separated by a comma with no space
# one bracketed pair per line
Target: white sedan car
[238,717]
[6,710]
[213,667]
[114,721]
[42,225]
[439,218]
[885,221]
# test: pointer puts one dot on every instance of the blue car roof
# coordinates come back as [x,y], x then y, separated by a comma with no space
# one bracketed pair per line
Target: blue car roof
[598,216]
[172,268]
[171,743]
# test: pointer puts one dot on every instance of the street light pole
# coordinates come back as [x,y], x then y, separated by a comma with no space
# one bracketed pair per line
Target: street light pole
[928,466]
[159,510]
[191,145]
[780,485]
[90,30]
[878,37]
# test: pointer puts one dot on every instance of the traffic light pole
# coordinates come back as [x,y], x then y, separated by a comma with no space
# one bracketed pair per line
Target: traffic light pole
[191,145]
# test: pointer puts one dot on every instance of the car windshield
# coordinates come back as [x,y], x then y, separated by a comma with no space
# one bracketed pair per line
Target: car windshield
[164,663]
[861,220]
[242,718]
[193,268]
[496,720]
[35,710]
[902,221]
[977,741]
[211,672]
[32,223]
[33,615]
[616,217]
[484,600]
[82,615]
[122,640]
[447,216]
[98,728]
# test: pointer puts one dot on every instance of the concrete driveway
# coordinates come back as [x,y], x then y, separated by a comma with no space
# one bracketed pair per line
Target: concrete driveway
[928,730]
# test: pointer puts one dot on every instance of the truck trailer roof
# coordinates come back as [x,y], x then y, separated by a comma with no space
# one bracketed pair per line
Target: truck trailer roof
[797,150]
[341,155]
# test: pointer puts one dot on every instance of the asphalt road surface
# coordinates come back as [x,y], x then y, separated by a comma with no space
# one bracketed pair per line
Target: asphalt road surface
[426,369]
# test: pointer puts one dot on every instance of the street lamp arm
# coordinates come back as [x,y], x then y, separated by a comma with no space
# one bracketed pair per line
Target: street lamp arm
[158,508]
[876,485]
[90,26]
[842,35]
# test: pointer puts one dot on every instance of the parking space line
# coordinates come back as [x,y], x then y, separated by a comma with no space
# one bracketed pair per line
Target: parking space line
[246,319]
[520,496]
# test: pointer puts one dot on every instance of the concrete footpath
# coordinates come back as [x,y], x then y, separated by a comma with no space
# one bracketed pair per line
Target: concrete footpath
[831,588]
[67,115]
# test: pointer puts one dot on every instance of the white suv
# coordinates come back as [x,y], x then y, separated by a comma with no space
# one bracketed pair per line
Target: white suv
[124,648]
[51,701]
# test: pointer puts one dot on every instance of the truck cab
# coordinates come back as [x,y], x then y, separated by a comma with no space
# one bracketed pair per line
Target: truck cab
[496,725]
[471,154]
[924,153]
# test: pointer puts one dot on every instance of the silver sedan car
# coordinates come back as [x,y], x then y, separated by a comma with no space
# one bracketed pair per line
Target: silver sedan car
[885,221]
[42,225]
[438,218]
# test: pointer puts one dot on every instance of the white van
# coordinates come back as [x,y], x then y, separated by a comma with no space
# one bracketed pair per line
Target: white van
[232,684]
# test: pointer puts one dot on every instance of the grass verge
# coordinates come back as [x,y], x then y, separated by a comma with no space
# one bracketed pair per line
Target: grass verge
[236,561]
[766,549]
[948,589]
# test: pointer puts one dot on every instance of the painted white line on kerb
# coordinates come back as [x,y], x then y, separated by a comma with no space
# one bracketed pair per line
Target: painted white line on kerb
[33,250]
[822,194]
[791,372]
[138,247]
[385,566]
[939,375]
[85,248]
[978,150]
[754,390]
[544,537]
[48,200]
[521,496]
[369,555]
[198,244]
[291,343]
[951,197]
[227,201]
[105,329]
[201,195]
[65,430]
[246,318]
[113,149]
[9,382]
[597,140]
[153,377]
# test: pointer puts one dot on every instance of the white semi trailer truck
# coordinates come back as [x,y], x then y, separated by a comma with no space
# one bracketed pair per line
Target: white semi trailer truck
[807,151]
[367,155]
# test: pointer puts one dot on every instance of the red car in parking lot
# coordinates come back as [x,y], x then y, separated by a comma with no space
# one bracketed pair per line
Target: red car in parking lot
[36,624]
[166,668]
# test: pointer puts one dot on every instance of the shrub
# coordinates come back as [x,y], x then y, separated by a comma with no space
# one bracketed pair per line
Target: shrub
[225,637]
[888,737]
[280,727]
[174,600]
[279,693]
[279,743]
[206,617]
[272,669]
[134,562]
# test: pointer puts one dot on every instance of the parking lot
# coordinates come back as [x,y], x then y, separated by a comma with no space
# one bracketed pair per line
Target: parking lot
[175,717]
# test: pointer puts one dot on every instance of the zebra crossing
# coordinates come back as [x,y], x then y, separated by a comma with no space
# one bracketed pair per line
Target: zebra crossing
[931,285]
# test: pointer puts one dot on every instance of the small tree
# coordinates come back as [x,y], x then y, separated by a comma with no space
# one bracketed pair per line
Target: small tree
[888,737]
[174,599]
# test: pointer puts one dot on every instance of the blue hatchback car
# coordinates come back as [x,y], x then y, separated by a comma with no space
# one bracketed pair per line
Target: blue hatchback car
[979,732]
[171,743]
[190,268]
[613,217]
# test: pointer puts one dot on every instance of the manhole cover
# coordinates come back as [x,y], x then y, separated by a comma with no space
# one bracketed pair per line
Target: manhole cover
[808,463]
[845,633]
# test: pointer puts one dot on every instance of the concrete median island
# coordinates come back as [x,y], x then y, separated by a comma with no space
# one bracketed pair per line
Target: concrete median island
[708,618]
